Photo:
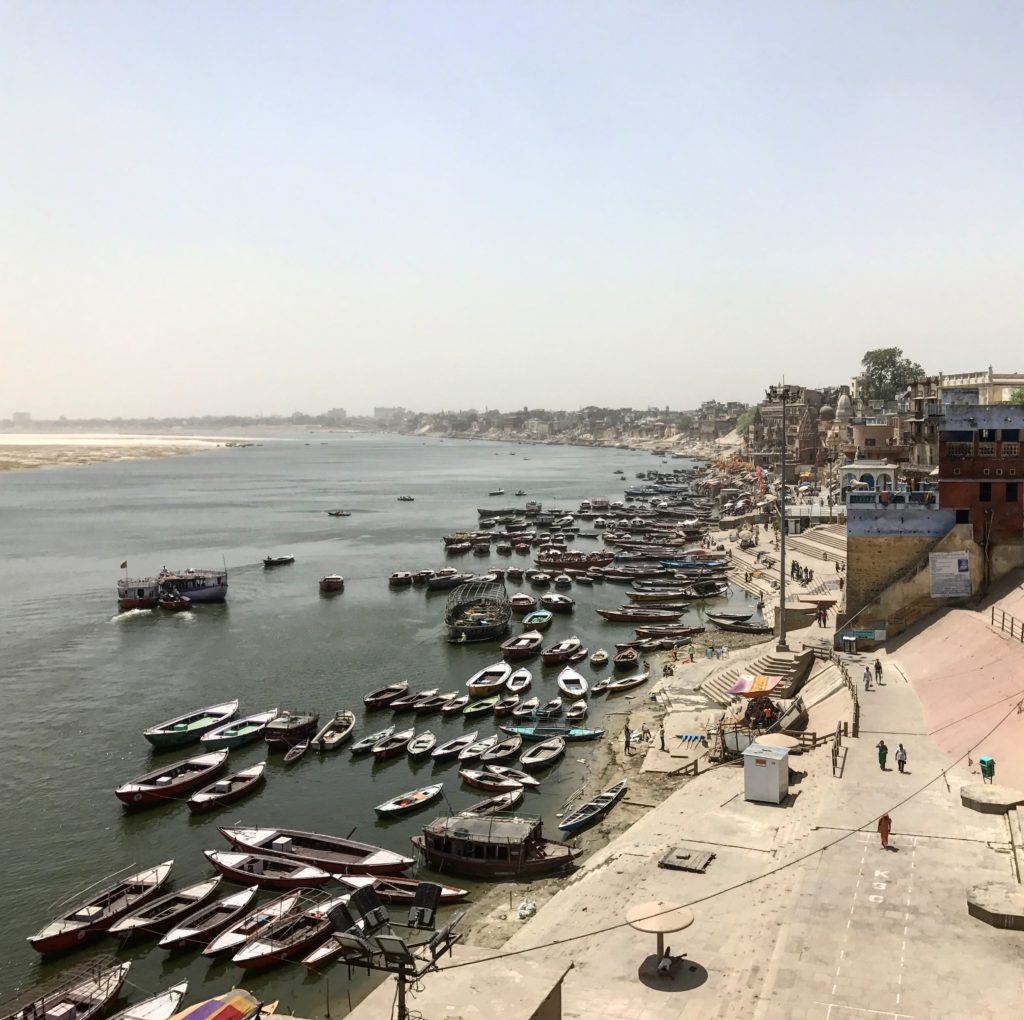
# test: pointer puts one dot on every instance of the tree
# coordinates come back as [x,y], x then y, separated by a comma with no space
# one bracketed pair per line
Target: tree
[1017,397]
[887,373]
[745,420]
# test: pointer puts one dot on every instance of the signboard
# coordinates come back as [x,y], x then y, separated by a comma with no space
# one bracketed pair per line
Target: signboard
[950,574]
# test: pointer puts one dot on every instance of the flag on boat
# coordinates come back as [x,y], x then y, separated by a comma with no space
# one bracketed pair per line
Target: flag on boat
[124,566]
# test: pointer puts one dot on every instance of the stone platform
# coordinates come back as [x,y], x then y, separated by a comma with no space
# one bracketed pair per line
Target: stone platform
[990,799]
[1000,904]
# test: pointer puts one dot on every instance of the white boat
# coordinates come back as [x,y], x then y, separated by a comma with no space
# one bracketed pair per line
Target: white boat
[571,683]
[489,680]
[157,1007]
[241,931]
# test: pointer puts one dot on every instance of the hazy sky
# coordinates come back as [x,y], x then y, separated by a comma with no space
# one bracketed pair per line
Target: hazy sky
[244,207]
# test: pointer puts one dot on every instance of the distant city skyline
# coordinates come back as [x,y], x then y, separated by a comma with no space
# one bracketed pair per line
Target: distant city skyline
[247,208]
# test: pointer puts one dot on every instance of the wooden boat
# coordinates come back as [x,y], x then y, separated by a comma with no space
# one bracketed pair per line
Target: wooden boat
[174,602]
[367,744]
[538,619]
[744,628]
[297,752]
[411,801]
[478,747]
[539,580]
[499,802]
[637,614]
[408,702]
[507,772]
[331,583]
[398,890]
[241,931]
[163,913]
[558,603]
[526,709]
[170,782]
[562,651]
[571,683]
[491,846]
[667,630]
[421,745]
[732,617]
[599,658]
[543,755]
[442,580]
[291,935]
[265,871]
[400,579]
[577,712]
[563,581]
[424,706]
[542,731]
[482,706]
[489,680]
[86,993]
[453,748]
[338,513]
[487,780]
[521,603]
[522,646]
[385,695]
[227,791]
[594,810]
[393,745]
[161,1006]
[628,658]
[666,595]
[340,856]
[238,731]
[100,910]
[277,561]
[454,706]
[579,656]
[506,704]
[289,728]
[504,750]
[406,499]
[336,732]
[200,927]
[519,681]
[188,728]
[550,709]
[627,683]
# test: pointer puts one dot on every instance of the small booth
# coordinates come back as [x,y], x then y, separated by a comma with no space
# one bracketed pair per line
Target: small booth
[766,774]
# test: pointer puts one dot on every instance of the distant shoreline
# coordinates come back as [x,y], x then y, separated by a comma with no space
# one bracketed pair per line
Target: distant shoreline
[28,451]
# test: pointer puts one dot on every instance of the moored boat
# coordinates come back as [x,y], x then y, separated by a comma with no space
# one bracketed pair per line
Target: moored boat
[332,583]
[487,780]
[543,755]
[297,752]
[336,732]
[628,658]
[200,927]
[519,681]
[454,747]
[409,701]
[508,772]
[367,743]
[571,683]
[411,801]
[421,745]
[289,728]
[506,704]
[599,658]
[85,993]
[538,619]
[455,706]
[238,731]
[289,936]
[507,801]
[161,1006]
[424,706]
[577,712]
[400,579]
[562,651]
[503,750]
[522,603]
[594,810]
[239,932]
[278,561]
[544,731]
[639,614]
[489,680]
[163,913]
[550,709]
[526,709]
[190,727]
[522,646]
[392,745]
[266,871]
[482,706]
[227,791]
[558,603]
[169,783]
[402,891]
[385,695]
[627,683]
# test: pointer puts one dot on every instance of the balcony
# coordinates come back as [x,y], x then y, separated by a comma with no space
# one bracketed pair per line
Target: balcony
[986,449]
[959,450]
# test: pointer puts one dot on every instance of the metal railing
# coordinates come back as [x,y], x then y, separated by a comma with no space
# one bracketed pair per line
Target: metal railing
[852,688]
[1007,624]
[837,745]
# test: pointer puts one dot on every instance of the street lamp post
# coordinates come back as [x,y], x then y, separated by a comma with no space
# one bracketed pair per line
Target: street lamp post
[783,394]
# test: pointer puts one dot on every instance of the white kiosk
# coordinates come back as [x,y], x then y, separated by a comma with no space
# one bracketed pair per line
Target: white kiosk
[766,773]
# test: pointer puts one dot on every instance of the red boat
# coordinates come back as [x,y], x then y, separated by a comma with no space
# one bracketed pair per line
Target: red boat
[563,651]
[394,745]
[101,910]
[385,695]
[332,853]
[522,646]
[170,782]
[266,872]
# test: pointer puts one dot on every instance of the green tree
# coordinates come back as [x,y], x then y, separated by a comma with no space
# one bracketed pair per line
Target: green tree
[1017,397]
[745,420]
[887,373]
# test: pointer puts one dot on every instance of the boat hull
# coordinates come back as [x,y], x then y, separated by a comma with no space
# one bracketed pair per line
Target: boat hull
[556,858]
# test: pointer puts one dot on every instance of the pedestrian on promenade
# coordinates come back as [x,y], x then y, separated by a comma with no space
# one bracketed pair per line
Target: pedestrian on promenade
[901,757]
[878,671]
[883,753]
[867,678]
[884,828]
[626,736]
[841,580]
[691,653]
[661,735]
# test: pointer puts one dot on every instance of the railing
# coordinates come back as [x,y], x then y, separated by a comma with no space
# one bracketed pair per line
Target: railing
[852,688]
[1007,624]
[837,744]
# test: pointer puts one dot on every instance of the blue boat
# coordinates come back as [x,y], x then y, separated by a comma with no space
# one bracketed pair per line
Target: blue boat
[594,810]
[546,732]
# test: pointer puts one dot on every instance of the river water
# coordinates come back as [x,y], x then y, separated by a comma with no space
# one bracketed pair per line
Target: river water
[81,682]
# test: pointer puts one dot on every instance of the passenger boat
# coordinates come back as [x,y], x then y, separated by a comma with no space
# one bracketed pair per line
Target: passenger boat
[571,683]
[172,602]
[558,603]
[522,603]
[487,780]
[499,802]
[599,658]
[491,846]
[170,782]
[340,856]
[238,731]
[338,513]
[100,910]
[482,706]
[639,614]
[385,695]
[522,646]
[289,936]
[86,993]
[550,709]
[478,747]
[400,579]
[188,728]
[242,930]
[165,912]
[331,583]
[297,752]
[407,702]
[421,745]
[519,681]
[496,492]
[336,732]
[578,560]
[411,801]
[367,743]
[538,619]
[227,791]
[452,748]
[526,709]
[433,704]
[628,658]
[442,580]
[204,924]
[489,680]
[627,683]
[506,704]
[289,728]
[454,706]
[277,561]
[543,755]
[393,745]
[265,871]
[406,499]
[594,810]
[198,585]
[504,750]
[577,712]
[398,890]
[562,651]
[544,731]
[161,1006]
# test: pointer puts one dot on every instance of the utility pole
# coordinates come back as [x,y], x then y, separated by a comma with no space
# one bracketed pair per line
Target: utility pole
[784,394]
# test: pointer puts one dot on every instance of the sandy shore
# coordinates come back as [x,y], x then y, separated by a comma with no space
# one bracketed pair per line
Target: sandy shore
[21,451]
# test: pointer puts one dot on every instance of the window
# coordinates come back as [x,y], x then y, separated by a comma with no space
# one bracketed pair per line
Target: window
[869,442]
[1011,492]
[985,492]
[987,434]
[986,449]
[1011,435]
[1011,449]
[963,517]
[959,449]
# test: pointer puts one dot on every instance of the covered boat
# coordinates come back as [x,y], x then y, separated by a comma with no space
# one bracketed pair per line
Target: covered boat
[238,731]
[478,611]
[170,782]
[188,728]
[289,728]
[594,810]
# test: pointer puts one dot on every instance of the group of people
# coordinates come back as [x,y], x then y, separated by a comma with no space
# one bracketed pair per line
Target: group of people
[645,737]
[883,755]
[878,675]
[799,573]
[822,616]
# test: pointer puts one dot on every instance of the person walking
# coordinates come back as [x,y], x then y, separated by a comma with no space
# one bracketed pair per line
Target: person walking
[661,735]
[691,653]
[884,828]
[901,757]
[626,737]
[878,671]
[867,678]
[883,753]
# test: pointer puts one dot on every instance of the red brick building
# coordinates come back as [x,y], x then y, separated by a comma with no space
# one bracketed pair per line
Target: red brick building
[981,470]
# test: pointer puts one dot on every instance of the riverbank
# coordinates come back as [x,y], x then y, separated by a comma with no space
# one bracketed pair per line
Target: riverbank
[27,451]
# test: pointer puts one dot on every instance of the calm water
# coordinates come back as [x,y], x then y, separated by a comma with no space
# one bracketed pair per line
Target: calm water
[81,682]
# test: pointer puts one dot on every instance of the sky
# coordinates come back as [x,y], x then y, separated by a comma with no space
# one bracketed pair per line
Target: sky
[258,208]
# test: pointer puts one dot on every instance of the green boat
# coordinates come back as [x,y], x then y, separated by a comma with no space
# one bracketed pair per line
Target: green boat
[539,619]
[188,728]
[481,706]
[546,732]
[238,731]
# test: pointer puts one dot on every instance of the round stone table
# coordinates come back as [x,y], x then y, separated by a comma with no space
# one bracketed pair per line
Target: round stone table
[659,917]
